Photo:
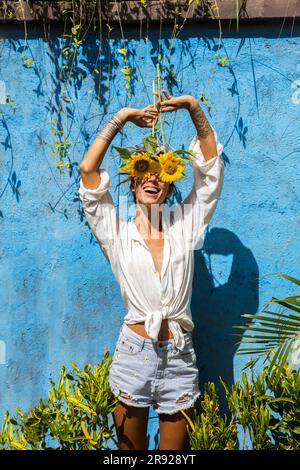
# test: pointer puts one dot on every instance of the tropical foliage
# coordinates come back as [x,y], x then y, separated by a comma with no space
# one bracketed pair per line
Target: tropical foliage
[75,416]
[267,412]
[274,334]
[77,413]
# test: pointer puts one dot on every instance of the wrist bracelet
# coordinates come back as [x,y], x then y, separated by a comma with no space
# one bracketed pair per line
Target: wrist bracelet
[118,120]
[108,133]
[114,125]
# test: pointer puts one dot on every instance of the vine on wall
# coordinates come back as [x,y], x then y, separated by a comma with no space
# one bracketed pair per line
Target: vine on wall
[80,18]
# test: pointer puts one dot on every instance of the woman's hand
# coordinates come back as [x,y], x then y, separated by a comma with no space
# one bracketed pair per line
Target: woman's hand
[173,103]
[141,117]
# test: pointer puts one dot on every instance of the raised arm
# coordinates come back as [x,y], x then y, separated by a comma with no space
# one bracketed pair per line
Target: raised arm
[204,130]
[94,183]
[89,166]
[197,209]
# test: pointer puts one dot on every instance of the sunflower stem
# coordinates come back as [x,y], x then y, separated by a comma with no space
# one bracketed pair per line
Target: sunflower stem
[160,112]
[154,103]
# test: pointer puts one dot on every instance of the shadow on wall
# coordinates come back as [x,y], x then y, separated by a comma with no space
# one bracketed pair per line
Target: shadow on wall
[215,309]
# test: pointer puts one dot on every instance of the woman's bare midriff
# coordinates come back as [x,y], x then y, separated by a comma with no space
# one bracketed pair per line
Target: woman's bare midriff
[164,333]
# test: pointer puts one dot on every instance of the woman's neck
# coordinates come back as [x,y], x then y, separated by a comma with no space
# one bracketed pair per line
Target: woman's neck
[148,219]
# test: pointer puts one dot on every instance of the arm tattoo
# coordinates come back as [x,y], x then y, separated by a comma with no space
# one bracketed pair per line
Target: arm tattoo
[201,123]
[111,129]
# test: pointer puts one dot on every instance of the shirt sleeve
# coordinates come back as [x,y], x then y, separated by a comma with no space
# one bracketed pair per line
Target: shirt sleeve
[198,207]
[100,213]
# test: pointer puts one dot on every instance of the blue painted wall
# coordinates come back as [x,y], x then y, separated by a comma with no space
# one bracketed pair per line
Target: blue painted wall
[59,301]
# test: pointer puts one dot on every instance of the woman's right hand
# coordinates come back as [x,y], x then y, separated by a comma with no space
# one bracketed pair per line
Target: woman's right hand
[141,117]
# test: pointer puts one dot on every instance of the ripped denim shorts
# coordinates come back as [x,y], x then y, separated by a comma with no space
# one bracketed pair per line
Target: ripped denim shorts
[144,372]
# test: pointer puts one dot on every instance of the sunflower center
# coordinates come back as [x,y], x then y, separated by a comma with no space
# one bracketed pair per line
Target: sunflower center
[170,168]
[141,165]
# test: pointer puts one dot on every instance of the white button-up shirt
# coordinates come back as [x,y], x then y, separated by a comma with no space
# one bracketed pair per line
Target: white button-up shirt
[150,296]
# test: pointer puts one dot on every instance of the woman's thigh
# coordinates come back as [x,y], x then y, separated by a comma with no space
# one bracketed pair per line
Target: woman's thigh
[173,430]
[131,426]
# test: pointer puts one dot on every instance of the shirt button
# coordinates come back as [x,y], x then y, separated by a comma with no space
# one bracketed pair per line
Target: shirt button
[160,345]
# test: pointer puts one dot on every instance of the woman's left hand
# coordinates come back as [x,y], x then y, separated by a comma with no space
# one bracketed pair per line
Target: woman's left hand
[141,117]
[173,103]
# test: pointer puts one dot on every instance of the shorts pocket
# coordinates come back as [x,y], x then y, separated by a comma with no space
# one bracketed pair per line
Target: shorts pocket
[189,353]
[187,356]
[129,346]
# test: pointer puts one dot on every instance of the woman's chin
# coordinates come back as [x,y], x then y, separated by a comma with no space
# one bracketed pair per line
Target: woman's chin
[149,200]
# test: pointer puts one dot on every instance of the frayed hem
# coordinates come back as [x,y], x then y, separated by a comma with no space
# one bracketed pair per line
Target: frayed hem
[129,402]
[185,407]
[134,405]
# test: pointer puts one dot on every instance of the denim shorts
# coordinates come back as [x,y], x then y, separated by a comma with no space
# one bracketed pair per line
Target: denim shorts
[144,372]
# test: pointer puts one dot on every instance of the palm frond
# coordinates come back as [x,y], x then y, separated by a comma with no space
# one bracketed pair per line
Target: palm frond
[273,334]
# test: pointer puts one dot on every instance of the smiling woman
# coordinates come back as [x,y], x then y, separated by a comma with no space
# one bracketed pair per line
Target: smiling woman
[157,190]
[152,259]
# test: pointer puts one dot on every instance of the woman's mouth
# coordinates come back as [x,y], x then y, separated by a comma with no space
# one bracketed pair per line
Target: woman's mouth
[152,191]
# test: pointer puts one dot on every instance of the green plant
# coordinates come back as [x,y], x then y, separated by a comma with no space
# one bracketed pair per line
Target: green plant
[75,416]
[267,411]
[126,70]
[248,401]
[60,146]
[11,102]
[274,335]
[27,62]
[205,100]
[210,431]
[286,405]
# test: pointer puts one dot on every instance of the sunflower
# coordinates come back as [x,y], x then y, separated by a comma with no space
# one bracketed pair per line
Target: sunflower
[171,167]
[141,165]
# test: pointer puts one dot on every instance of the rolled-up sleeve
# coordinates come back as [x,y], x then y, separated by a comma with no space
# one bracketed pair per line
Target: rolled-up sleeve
[198,207]
[100,213]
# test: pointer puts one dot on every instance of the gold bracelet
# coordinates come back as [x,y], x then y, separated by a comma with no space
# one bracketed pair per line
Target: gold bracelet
[114,121]
[118,121]
[108,133]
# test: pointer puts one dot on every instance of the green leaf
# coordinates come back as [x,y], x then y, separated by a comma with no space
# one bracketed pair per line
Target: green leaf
[124,153]
[149,143]
[290,278]
[280,321]
[250,363]
[188,152]
[126,70]
[75,29]
[282,399]
[122,51]
[285,304]
[122,166]
[282,315]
